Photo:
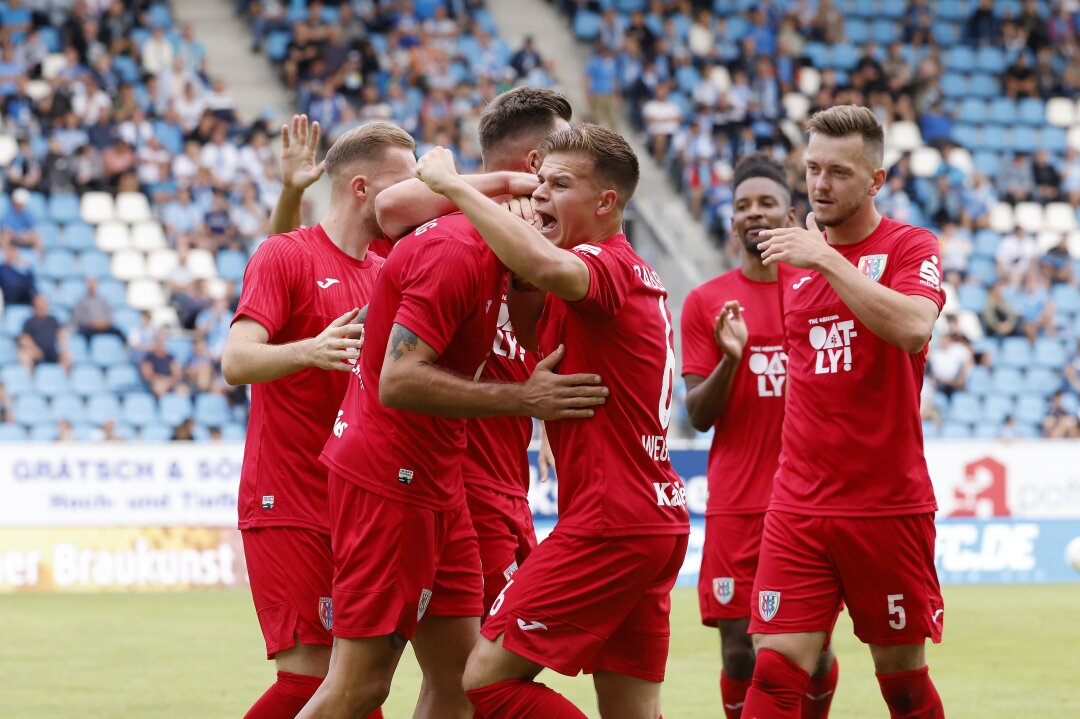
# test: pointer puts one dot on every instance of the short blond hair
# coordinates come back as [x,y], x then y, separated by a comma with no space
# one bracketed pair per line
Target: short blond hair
[366,142]
[847,120]
[613,159]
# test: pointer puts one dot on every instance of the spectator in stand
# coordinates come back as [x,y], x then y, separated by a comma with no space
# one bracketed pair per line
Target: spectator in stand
[213,326]
[159,369]
[1059,422]
[602,85]
[982,27]
[936,124]
[956,248]
[527,58]
[117,160]
[221,156]
[977,197]
[157,52]
[893,201]
[65,432]
[1033,304]
[951,360]
[1020,79]
[1046,178]
[187,295]
[185,431]
[1072,371]
[25,170]
[92,315]
[18,226]
[11,68]
[108,432]
[7,406]
[1016,254]
[1016,183]
[220,230]
[141,338]
[203,371]
[998,316]
[17,284]
[1057,263]
[662,118]
[43,338]
[1070,177]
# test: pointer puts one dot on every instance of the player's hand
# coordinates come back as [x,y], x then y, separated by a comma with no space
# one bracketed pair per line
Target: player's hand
[730,331]
[545,460]
[338,346]
[436,169]
[298,167]
[523,207]
[804,248]
[521,183]
[546,395]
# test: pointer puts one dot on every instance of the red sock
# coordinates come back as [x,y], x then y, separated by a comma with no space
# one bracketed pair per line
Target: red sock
[777,688]
[287,696]
[819,693]
[522,699]
[733,694]
[911,695]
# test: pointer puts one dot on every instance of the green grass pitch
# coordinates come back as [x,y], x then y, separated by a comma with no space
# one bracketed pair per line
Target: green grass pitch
[1009,651]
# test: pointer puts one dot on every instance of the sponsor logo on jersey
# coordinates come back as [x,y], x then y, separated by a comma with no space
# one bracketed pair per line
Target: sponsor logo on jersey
[801,282]
[405,476]
[873,266]
[327,283]
[340,425]
[268,501]
[588,249]
[669,494]
[326,612]
[929,274]
[723,588]
[509,571]
[505,343]
[530,626]
[770,366]
[832,337]
[425,597]
[937,615]
[768,604]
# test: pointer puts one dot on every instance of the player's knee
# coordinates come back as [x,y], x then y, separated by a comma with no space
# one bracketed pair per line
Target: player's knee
[370,697]
[896,659]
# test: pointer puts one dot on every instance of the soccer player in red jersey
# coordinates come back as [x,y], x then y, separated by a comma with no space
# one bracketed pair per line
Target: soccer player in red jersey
[852,513]
[407,566]
[293,338]
[735,370]
[595,594]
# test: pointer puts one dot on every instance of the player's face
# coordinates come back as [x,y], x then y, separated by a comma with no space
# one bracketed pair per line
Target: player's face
[568,198]
[760,204]
[839,178]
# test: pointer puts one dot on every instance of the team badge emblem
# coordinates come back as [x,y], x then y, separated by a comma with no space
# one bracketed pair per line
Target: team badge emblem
[723,588]
[768,604]
[326,612]
[873,266]
[425,597]
[268,501]
[509,571]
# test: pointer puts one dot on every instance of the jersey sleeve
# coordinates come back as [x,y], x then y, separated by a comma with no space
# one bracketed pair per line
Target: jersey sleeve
[609,281]
[270,282]
[918,270]
[699,350]
[439,287]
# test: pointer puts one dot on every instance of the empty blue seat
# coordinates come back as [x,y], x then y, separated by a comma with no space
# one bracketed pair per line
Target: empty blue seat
[160,15]
[79,236]
[211,410]
[845,56]
[995,139]
[38,206]
[954,430]
[856,31]
[930,430]
[174,408]
[972,297]
[126,319]
[139,409]
[983,269]
[1066,298]
[156,432]
[987,162]
[123,378]
[972,110]
[1054,139]
[49,233]
[50,380]
[12,433]
[93,263]
[1002,111]
[1015,352]
[1042,382]
[991,59]
[1050,353]
[31,408]
[960,58]
[586,25]
[44,432]
[1024,139]
[231,264]
[1007,381]
[987,430]
[15,316]
[107,350]
[181,348]
[1032,111]
[965,408]
[101,408]
[8,350]
[59,264]
[979,381]
[818,54]
[1030,409]
[996,408]
[113,291]
[234,432]
[68,407]
[64,207]
[17,380]
[946,33]
[277,45]
[71,291]
[884,32]
[986,243]
[87,380]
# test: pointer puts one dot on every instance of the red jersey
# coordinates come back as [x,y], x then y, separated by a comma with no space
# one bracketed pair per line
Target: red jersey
[443,283]
[382,246]
[295,285]
[615,476]
[852,440]
[497,455]
[746,441]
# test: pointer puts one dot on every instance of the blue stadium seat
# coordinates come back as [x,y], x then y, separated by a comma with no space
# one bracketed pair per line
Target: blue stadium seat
[277,45]
[1015,352]
[1002,111]
[818,54]
[946,33]
[38,206]
[174,408]
[78,348]
[15,316]
[31,408]
[107,350]
[930,430]
[234,432]
[586,25]
[1032,111]
[17,380]
[953,85]
[156,432]
[1042,382]
[687,77]
[1007,381]
[79,236]
[59,265]
[211,410]
[46,431]
[87,380]
[979,382]
[113,291]
[965,408]
[995,138]
[160,16]
[231,264]
[996,408]
[50,380]
[1070,401]
[123,378]
[126,319]
[845,56]
[1024,139]
[71,291]
[1030,409]
[991,58]
[986,243]
[856,31]
[1066,299]
[1050,353]
[93,263]
[983,269]
[102,407]
[972,110]
[140,409]
[64,208]
[1054,139]
[12,433]
[9,351]
[49,232]
[954,430]
[953,10]
[972,297]
[884,32]
[181,348]
[960,58]
[69,407]
[987,430]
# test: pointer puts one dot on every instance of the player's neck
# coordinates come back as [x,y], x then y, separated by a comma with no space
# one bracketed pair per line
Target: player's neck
[857,227]
[754,271]
[343,233]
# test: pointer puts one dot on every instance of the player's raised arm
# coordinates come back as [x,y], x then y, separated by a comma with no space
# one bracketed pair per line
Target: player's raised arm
[905,321]
[411,380]
[299,170]
[402,208]
[707,397]
[517,243]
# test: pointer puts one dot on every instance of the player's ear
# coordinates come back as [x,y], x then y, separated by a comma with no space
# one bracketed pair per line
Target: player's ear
[609,200]
[532,161]
[790,217]
[359,186]
[877,181]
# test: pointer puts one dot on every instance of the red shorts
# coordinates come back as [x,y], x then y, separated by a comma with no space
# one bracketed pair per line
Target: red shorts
[592,604]
[881,567]
[291,571]
[504,528]
[728,565]
[397,562]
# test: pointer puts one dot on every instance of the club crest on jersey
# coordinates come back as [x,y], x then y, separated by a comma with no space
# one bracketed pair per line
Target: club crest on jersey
[326,612]
[723,588]
[425,597]
[873,266]
[509,571]
[768,603]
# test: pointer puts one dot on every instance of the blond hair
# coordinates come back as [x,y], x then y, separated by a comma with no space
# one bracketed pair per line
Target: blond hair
[613,159]
[847,120]
[365,142]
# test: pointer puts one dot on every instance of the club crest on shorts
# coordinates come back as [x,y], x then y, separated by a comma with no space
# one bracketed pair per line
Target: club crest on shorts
[723,588]
[768,603]
[425,597]
[873,266]
[326,612]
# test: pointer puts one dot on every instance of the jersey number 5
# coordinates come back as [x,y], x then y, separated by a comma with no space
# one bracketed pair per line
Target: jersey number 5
[895,610]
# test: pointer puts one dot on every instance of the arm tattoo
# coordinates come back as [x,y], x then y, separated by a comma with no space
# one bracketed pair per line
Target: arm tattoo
[402,340]
[362,317]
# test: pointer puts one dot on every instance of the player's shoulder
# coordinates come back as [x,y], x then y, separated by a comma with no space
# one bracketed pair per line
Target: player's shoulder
[454,228]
